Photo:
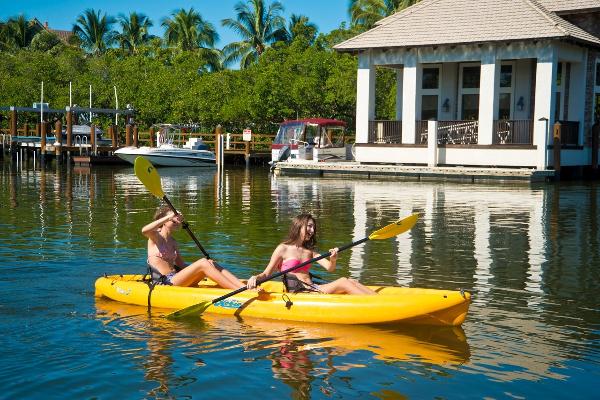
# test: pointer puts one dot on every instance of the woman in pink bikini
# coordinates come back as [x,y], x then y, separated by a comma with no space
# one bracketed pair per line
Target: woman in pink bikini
[165,262]
[299,247]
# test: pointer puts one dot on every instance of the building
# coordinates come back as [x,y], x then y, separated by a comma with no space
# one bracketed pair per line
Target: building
[489,77]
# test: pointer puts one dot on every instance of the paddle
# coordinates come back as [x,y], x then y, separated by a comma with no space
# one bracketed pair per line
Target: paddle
[148,175]
[386,232]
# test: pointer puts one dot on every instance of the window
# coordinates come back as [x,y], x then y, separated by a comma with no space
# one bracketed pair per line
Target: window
[431,78]
[506,76]
[558,110]
[504,103]
[469,91]
[429,107]
[505,96]
[470,106]
[430,92]
[598,73]
[471,76]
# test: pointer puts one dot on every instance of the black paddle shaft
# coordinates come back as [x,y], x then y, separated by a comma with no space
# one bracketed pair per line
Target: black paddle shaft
[187,229]
[278,274]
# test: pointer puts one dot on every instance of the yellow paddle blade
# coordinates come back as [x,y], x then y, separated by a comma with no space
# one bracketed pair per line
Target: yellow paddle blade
[398,227]
[148,175]
[195,309]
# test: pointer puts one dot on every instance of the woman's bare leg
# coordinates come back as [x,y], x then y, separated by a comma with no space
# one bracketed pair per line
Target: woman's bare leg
[195,272]
[345,285]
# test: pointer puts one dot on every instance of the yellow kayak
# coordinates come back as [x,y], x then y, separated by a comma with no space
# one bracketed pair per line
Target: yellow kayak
[390,306]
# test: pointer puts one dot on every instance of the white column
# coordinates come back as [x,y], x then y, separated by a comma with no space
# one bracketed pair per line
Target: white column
[577,95]
[432,143]
[410,84]
[488,96]
[545,79]
[399,93]
[365,96]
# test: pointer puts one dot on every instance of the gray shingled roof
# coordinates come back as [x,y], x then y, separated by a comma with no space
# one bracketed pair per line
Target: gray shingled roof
[443,22]
[569,5]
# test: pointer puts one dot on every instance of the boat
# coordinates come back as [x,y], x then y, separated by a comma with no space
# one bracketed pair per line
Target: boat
[314,139]
[392,305]
[194,153]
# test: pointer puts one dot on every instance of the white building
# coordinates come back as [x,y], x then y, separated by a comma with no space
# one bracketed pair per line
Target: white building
[491,77]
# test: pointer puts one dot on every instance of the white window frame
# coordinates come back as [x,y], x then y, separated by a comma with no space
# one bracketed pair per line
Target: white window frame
[510,90]
[431,92]
[462,91]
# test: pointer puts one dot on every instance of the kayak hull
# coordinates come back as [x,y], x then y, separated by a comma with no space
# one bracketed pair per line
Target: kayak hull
[392,304]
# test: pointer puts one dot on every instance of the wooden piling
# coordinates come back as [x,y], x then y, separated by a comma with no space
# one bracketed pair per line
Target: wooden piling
[42,130]
[128,135]
[13,123]
[556,147]
[112,130]
[58,136]
[69,128]
[93,138]
[135,136]
[26,129]
[151,133]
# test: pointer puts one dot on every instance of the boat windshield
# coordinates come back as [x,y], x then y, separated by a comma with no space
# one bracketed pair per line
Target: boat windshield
[289,133]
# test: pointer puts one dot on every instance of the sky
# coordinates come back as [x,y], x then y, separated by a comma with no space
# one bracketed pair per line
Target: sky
[62,14]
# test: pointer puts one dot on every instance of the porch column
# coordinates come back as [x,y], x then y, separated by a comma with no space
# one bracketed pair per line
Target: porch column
[365,96]
[410,82]
[576,111]
[488,96]
[545,79]
[399,81]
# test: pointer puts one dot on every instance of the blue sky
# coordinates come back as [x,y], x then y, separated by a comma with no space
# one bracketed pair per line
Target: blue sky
[61,14]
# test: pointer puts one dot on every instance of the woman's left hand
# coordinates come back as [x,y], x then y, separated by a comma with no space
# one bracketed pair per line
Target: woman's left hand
[334,253]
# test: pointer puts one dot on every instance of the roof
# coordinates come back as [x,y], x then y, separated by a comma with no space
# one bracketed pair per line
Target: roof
[316,121]
[448,22]
[559,6]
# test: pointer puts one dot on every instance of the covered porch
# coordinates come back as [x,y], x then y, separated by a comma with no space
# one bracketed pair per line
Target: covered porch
[502,99]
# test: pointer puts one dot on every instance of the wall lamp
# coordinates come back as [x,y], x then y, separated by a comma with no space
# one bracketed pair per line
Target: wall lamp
[521,103]
[446,105]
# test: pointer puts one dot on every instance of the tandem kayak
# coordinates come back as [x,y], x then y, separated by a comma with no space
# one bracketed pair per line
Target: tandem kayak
[392,305]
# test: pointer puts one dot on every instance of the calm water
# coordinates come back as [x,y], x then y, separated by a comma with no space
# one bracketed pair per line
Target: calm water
[529,254]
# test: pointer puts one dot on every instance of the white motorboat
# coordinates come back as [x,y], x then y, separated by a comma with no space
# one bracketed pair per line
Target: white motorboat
[194,153]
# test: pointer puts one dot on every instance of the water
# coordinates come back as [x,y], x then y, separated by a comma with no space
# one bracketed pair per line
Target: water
[529,254]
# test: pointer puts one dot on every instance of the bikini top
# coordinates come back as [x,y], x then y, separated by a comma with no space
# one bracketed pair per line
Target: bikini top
[292,262]
[163,251]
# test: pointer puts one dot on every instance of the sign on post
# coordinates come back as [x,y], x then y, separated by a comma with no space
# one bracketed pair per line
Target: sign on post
[247,135]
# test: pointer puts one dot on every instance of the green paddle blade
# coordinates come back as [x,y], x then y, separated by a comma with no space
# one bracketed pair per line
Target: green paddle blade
[148,175]
[195,309]
[398,227]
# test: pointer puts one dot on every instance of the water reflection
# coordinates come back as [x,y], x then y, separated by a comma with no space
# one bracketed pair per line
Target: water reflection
[299,353]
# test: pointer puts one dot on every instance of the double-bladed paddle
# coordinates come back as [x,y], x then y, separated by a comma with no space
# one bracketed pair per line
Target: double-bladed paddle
[148,175]
[386,232]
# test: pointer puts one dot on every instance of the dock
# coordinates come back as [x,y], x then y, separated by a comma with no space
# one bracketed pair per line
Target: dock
[413,173]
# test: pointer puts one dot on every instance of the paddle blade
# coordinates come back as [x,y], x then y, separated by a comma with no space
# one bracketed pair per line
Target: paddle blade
[193,310]
[148,175]
[398,227]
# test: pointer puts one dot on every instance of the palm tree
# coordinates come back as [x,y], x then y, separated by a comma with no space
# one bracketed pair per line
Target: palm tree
[299,26]
[134,31]
[188,31]
[365,13]
[94,31]
[259,27]
[18,32]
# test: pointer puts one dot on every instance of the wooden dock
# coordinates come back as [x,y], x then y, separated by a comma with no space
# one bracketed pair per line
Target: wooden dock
[418,173]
